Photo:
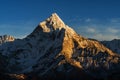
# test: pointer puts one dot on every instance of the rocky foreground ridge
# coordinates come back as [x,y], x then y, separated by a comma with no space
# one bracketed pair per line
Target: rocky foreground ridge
[54,51]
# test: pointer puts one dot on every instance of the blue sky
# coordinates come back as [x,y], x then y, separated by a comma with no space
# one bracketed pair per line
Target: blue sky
[99,19]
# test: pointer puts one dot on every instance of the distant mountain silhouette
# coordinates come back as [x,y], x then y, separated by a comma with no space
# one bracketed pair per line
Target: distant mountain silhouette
[114,45]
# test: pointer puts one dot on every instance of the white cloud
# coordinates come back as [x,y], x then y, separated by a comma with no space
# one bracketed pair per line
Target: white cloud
[91,30]
[115,20]
[112,30]
[99,32]
[105,37]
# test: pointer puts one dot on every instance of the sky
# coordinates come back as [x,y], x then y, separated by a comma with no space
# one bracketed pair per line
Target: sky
[98,19]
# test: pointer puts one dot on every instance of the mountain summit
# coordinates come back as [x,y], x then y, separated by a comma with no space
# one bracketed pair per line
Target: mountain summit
[55,51]
[53,23]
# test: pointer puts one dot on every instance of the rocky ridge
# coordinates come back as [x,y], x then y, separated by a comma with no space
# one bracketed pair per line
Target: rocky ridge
[55,51]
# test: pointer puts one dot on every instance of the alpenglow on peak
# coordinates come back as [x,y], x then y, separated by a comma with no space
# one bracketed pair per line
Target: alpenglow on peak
[56,19]
[52,23]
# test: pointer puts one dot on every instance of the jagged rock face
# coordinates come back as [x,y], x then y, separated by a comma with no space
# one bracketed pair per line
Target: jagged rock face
[53,49]
[6,38]
[114,45]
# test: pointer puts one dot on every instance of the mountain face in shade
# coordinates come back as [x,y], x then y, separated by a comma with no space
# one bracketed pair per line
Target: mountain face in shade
[6,38]
[114,45]
[55,51]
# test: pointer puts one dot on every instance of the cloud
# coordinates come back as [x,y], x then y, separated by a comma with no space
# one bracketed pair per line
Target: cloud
[90,30]
[99,32]
[105,37]
[112,30]
[115,20]
[100,29]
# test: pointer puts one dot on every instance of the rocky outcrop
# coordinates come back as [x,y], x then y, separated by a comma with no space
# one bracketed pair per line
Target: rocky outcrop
[55,51]
[6,38]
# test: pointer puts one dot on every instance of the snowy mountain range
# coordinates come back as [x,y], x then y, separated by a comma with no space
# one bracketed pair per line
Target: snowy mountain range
[6,38]
[54,51]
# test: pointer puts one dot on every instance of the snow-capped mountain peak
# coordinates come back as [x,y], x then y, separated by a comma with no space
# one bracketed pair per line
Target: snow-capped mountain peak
[54,48]
[55,20]
[52,23]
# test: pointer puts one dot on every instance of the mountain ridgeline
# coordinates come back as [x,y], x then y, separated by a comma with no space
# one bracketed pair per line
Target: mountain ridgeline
[114,45]
[54,51]
[6,38]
